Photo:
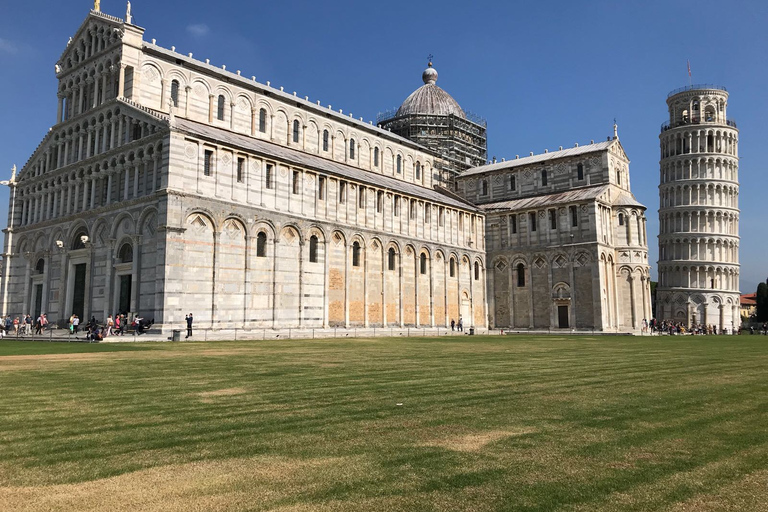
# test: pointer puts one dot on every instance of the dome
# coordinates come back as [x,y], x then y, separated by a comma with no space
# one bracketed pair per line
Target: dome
[430,99]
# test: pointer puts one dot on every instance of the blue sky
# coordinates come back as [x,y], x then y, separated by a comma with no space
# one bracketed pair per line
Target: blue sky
[544,74]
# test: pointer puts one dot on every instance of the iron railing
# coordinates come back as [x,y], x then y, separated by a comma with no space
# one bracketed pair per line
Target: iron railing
[666,125]
[696,87]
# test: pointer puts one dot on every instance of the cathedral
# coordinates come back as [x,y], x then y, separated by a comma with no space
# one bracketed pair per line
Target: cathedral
[170,186]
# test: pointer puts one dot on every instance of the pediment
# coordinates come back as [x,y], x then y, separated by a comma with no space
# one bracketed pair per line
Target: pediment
[98,33]
[617,150]
[82,122]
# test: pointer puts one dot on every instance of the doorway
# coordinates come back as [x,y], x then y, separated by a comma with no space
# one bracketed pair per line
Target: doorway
[562,317]
[78,294]
[38,307]
[124,302]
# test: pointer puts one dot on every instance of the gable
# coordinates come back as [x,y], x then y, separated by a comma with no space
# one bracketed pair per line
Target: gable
[617,150]
[97,34]
[80,125]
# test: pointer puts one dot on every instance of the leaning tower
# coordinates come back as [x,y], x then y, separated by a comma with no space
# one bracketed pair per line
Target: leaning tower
[699,211]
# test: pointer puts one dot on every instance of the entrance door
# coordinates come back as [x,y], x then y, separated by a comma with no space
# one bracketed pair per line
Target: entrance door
[466,311]
[124,305]
[38,308]
[562,316]
[78,297]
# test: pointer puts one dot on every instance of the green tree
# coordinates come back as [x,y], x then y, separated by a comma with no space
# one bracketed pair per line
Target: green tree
[762,302]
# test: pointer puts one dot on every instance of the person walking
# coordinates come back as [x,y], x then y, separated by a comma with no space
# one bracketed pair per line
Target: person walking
[188,318]
[461,324]
[110,325]
[453,324]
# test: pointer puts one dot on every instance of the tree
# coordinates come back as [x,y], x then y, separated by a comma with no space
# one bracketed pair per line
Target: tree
[762,302]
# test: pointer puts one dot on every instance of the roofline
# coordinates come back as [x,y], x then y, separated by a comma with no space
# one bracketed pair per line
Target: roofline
[520,162]
[361,179]
[268,90]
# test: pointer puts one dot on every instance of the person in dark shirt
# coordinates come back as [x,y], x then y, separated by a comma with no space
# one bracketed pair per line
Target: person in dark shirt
[189,326]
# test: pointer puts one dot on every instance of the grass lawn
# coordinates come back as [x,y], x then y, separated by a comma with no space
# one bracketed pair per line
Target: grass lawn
[476,424]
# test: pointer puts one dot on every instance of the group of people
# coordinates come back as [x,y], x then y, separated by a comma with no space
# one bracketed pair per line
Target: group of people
[114,326]
[457,326]
[22,325]
[672,327]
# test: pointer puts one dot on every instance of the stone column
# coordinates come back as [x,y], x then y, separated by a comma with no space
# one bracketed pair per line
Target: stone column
[347,272]
[136,171]
[93,191]
[126,181]
[327,264]
[60,111]
[401,285]
[85,192]
[187,90]
[247,271]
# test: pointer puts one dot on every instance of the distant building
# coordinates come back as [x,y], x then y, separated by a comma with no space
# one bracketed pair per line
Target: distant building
[699,210]
[748,304]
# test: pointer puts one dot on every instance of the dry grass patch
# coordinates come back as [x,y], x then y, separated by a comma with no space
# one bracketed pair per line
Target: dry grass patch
[476,441]
[232,484]
[222,392]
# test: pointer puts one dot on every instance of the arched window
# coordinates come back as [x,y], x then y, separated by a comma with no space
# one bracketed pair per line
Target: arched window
[220,110]
[392,256]
[78,242]
[423,263]
[520,275]
[313,249]
[40,267]
[351,149]
[295,130]
[452,267]
[263,120]
[418,171]
[125,254]
[399,164]
[356,254]
[261,245]
[477,271]
[580,172]
[621,219]
[175,93]
[375,157]
[325,140]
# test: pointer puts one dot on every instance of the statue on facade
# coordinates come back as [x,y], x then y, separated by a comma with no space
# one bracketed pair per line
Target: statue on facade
[97,5]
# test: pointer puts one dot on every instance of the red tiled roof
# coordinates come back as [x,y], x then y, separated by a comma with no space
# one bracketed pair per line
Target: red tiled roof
[749,299]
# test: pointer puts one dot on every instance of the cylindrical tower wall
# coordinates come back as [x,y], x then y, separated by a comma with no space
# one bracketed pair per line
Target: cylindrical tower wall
[698,262]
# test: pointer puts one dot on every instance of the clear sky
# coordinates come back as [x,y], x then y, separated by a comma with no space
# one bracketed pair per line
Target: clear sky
[543,73]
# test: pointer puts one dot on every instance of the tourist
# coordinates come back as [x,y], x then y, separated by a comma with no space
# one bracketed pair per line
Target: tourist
[453,324]
[461,324]
[189,326]
[110,325]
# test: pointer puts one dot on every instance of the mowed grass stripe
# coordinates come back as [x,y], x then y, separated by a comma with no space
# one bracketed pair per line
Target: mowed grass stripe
[502,423]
